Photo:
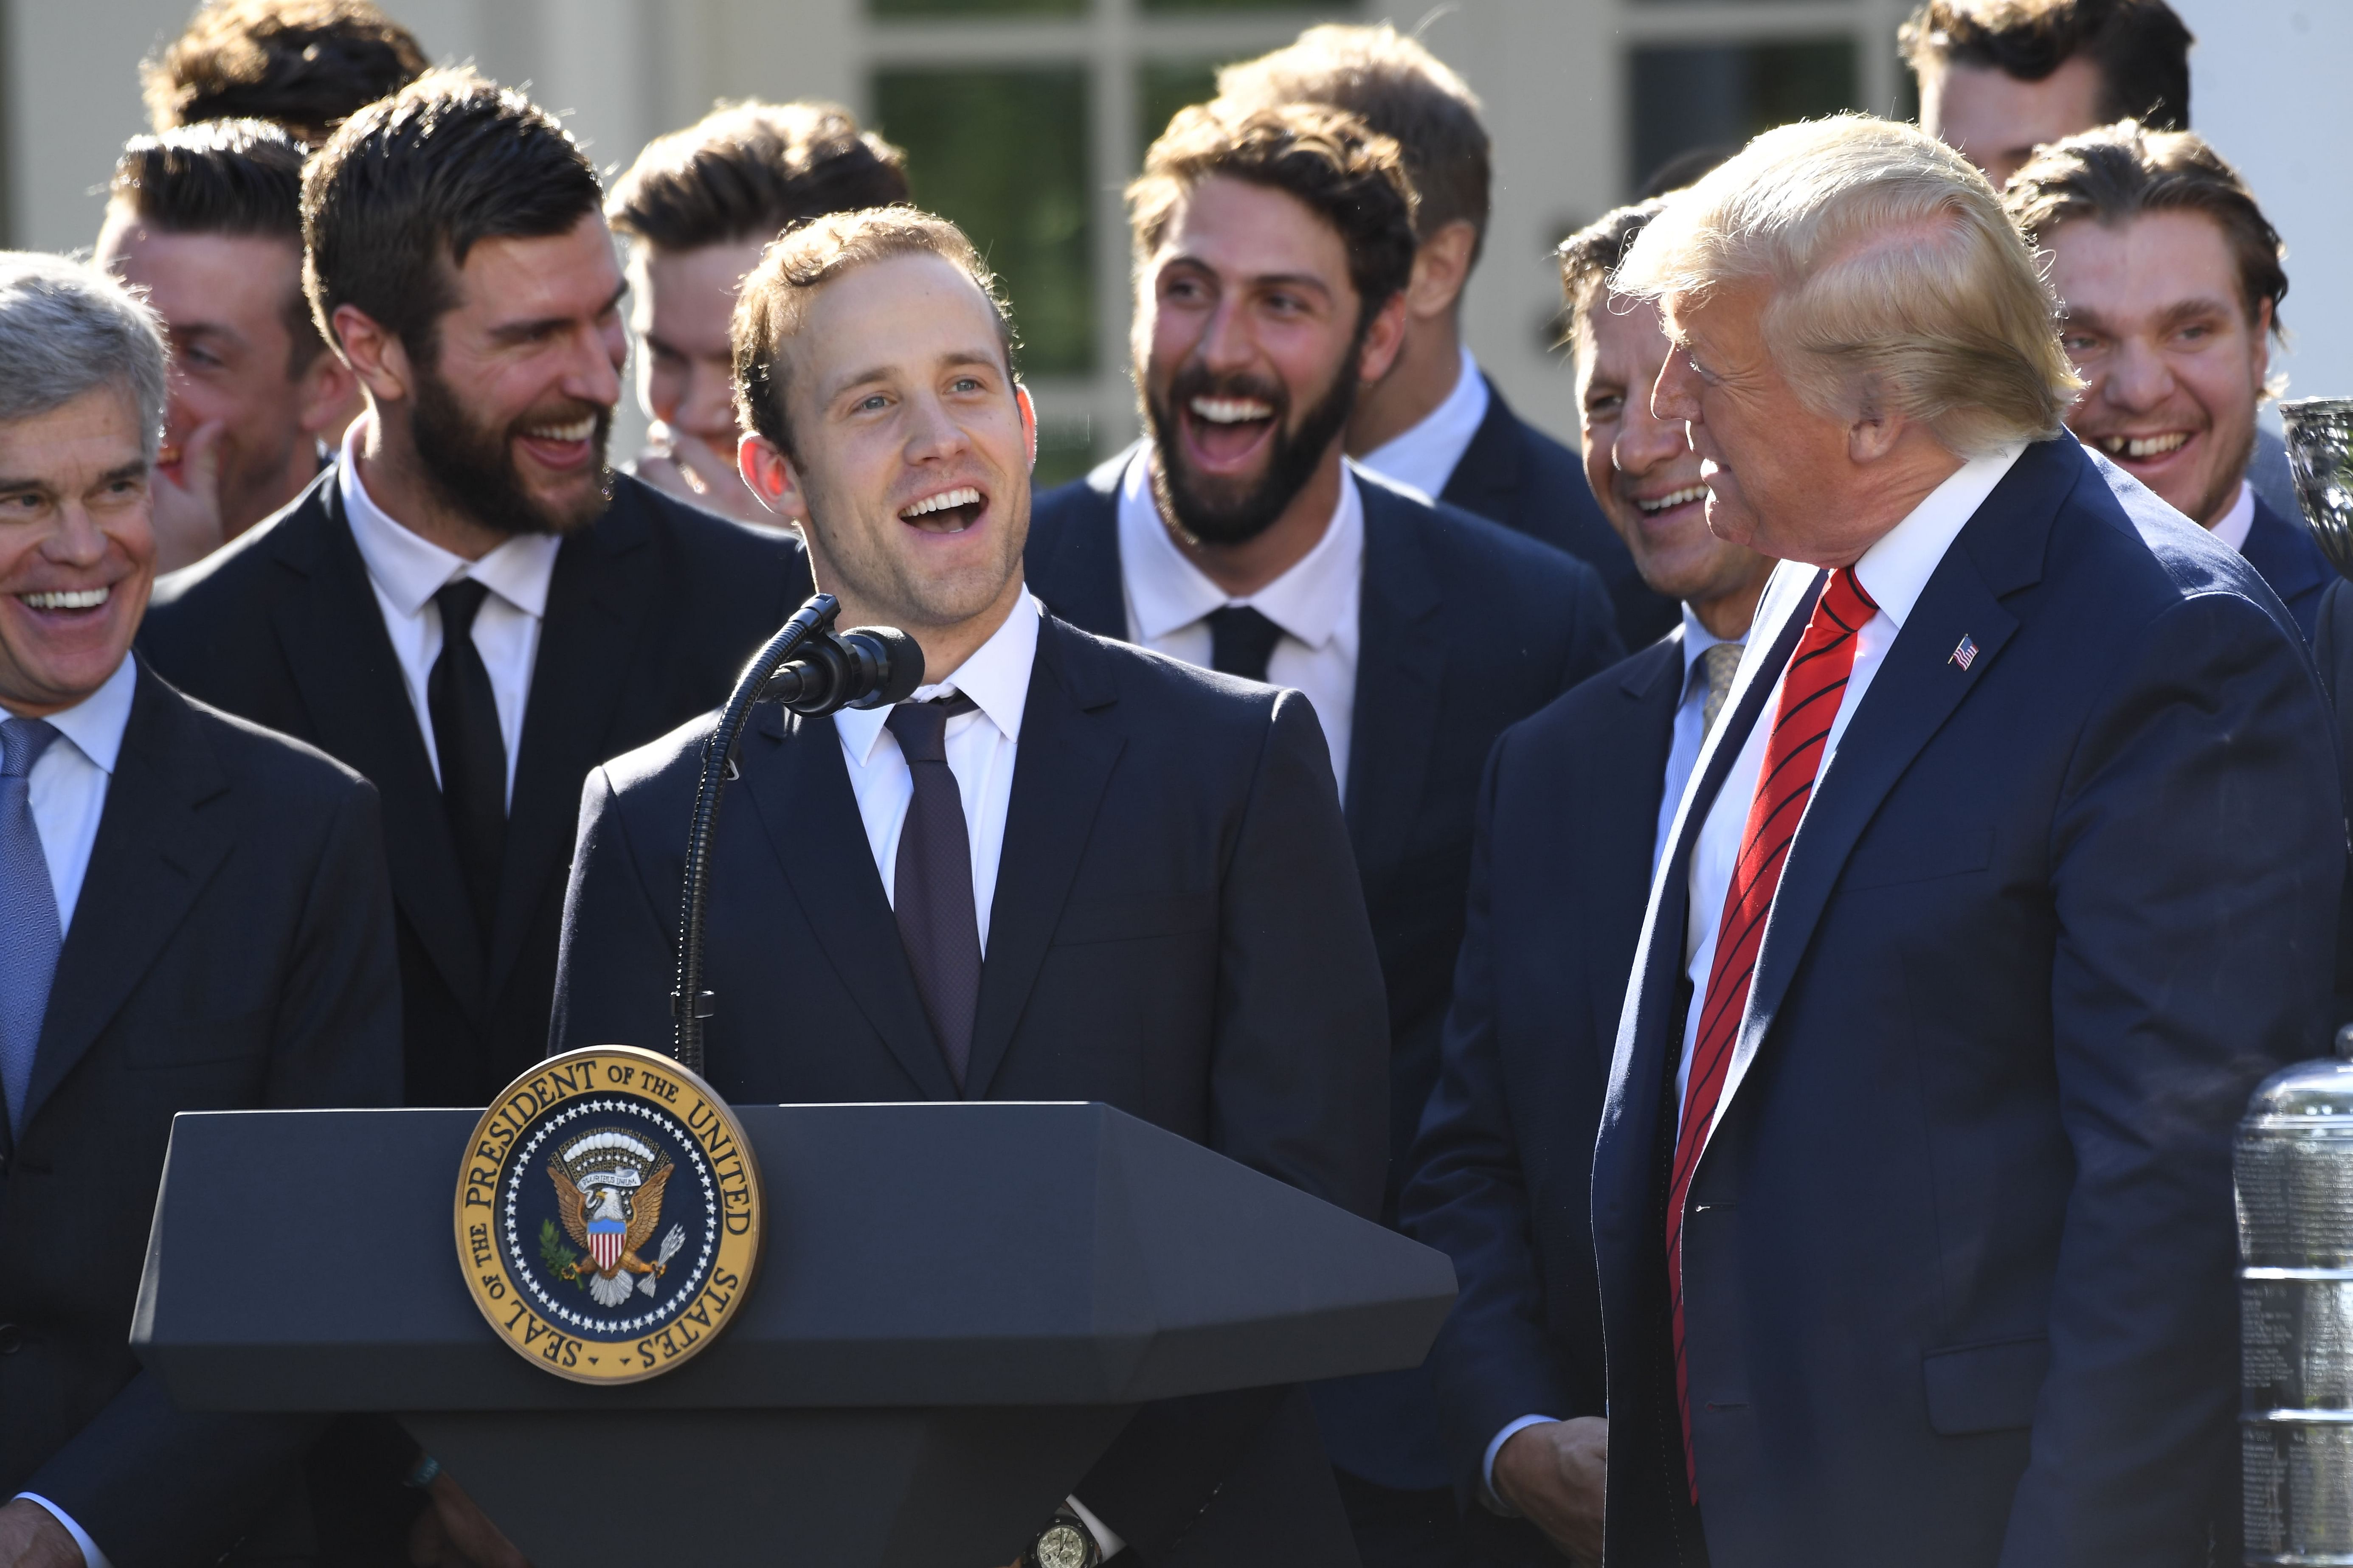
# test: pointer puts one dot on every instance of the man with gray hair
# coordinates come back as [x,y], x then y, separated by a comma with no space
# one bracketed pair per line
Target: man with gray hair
[2005,875]
[193,916]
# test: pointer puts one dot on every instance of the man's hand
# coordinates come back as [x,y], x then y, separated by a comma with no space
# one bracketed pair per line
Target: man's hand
[188,524]
[453,1533]
[1554,1473]
[30,1537]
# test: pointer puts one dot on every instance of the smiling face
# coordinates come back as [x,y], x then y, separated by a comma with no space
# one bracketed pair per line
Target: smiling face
[510,420]
[224,300]
[2173,362]
[1996,120]
[77,553]
[1642,468]
[681,304]
[910,474]
[1247,326]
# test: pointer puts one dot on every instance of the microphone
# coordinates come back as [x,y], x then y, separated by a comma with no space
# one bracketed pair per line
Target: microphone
[866,667]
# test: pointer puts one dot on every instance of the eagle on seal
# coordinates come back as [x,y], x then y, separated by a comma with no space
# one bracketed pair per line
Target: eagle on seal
[610,1221]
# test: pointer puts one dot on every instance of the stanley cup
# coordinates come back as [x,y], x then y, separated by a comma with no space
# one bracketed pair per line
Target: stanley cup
[2320,457]
[2294,1179]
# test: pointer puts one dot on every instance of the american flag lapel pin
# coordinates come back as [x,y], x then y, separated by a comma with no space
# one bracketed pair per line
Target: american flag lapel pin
[1965,652]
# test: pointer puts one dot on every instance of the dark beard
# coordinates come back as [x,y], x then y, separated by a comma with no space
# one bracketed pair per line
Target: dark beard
[1238,520]
[473,469]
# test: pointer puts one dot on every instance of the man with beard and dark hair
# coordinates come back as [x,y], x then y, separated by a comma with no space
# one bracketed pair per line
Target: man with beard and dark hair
[458,260]
[1272,251]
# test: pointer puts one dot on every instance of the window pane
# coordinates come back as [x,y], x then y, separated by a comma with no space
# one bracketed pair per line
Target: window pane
[1066,451]
[1162,88]
[976,7]
[1004,154]
[1719,95]
[1302,6]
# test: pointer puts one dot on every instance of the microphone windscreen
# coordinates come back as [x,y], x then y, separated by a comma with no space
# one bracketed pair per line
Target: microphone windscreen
[901,658]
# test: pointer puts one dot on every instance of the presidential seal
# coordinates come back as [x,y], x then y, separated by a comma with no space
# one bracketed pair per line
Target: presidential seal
[608,1214]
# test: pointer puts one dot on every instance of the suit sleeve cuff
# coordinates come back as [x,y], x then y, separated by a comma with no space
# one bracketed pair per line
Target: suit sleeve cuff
[1487,1492]
[90,1555]
[1107,1540]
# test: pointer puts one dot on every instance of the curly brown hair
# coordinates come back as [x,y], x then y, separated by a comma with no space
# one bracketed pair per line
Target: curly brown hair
[750,171]
[307,65]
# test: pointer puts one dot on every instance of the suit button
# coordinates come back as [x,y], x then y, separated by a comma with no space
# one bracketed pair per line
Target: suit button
[12,1339]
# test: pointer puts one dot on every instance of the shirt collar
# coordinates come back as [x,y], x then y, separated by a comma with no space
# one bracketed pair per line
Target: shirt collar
[996,678]
[1697,640]
[96,723]
[1168,592]
[2233,525]
[1424,457]
[410,569]
[1895,571]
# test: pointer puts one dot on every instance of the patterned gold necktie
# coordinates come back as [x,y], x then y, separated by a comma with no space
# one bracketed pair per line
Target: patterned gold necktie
[1717,664]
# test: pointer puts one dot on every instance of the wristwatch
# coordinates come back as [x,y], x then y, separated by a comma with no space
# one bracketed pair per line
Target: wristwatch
[1065,1543]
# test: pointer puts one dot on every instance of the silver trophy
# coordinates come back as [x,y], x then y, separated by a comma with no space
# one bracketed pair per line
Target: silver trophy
[2294,1180]
[2320,457]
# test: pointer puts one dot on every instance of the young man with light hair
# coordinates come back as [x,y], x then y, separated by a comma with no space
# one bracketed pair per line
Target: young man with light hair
[1435,422]
[699,206]
[2171,280]
[2007,873]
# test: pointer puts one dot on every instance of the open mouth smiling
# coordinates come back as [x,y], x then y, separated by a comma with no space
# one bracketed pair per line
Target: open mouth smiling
[2145,447]
[1653,506]
[948,511]
[67,601]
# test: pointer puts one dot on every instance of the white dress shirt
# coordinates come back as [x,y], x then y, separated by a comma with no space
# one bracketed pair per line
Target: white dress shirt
[66,791]
[1314,603]
[406,571]
[2232,526]
[982,747]
[1894,572]
[1425,457]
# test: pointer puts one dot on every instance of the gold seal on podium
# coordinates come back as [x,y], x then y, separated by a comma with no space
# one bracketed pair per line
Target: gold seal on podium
[608,1214]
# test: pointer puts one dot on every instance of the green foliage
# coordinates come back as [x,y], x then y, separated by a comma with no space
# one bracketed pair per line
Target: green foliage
[555,1254]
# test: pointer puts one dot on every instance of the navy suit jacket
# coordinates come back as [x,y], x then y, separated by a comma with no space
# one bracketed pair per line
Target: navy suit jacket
[2282,551]
[1175,930]
[1959,1253]
[1514,474]
[1465,628]
[650,614]
[231,949]
[1501,1174]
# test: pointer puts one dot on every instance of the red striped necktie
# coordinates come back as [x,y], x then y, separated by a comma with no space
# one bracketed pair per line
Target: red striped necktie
[1810,694]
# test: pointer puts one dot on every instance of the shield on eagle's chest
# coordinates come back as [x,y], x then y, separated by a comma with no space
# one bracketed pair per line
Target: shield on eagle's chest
[605,1239]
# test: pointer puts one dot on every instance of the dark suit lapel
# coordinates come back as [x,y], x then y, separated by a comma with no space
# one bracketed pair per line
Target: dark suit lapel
[1916,690]
[1629,780]
[1072,557]
[1065,759]
[598,603]
[155,852]
[799,788]
[343,663]
[1400,668]
[1487,475]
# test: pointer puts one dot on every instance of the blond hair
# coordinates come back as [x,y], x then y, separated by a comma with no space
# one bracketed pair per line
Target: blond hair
[1898,283]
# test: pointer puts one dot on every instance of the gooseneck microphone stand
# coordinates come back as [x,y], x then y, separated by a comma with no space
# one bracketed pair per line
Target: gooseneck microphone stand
[869,667]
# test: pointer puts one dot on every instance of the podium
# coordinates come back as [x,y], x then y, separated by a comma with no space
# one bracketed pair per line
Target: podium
[958,1308]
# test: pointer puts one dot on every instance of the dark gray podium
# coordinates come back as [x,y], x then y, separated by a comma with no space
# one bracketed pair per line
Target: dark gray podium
[958,1307]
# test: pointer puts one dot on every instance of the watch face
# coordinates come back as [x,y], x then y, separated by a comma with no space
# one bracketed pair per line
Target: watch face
[1065,1546]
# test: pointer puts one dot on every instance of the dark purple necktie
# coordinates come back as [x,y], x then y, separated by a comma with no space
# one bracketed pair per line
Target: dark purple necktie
[931,888]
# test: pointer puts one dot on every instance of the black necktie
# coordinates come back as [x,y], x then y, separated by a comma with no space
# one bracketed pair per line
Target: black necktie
[472,751]
[1242,641]
[932,888]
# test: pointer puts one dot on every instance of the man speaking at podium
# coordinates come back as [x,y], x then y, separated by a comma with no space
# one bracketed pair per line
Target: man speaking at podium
[1066,869]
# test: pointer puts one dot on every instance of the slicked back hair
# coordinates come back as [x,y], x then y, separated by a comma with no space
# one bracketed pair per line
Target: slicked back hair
[2140,47]
[750,171]
[2116,174]
[774,299]
[1394,84]
[398,197]
[242,178]
[1341,169]
[1895,280]
[1589,256]
[307,65]
[67,326]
